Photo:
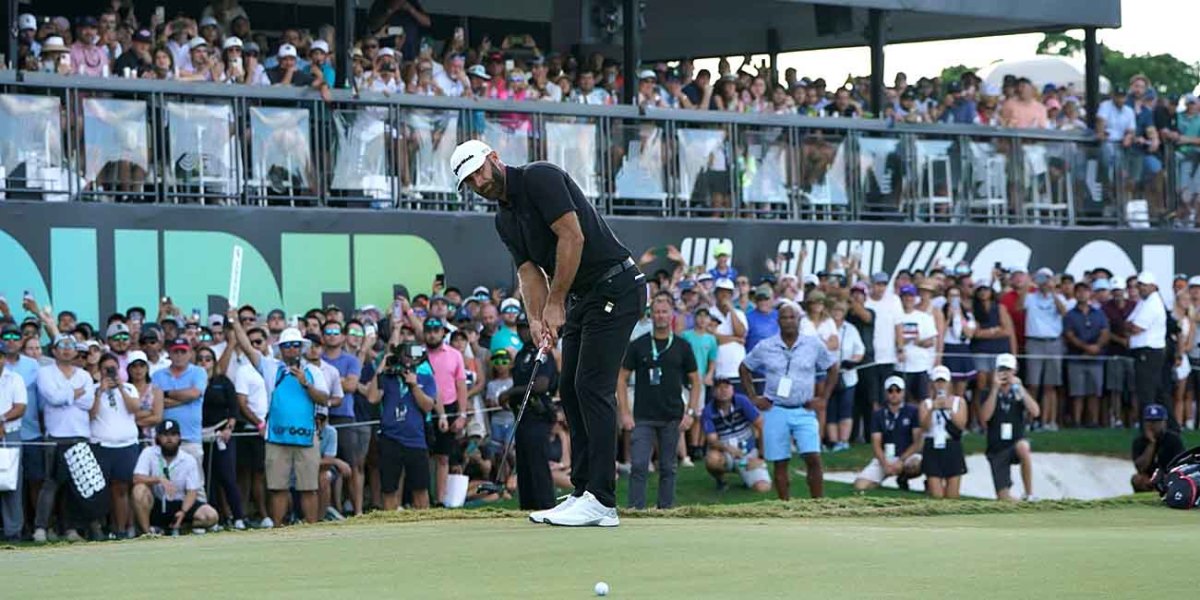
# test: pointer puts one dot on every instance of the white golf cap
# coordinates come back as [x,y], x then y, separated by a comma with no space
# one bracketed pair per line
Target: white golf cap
[510,305]
[1006,361]
[232,41]
[26,21]
[647,74]
[478,71]
[724,283]
[940,373]
[321,45]
[291,334]
[467,158]
[386,52]
[1147,278]
[894,380]
[209,22]
[197,42]
[810,279]
[286,50]
[1194,281]
[135,356]
[1117,284]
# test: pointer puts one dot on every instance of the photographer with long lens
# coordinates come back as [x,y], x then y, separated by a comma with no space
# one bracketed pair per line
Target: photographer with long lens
[535,485]
[405,386]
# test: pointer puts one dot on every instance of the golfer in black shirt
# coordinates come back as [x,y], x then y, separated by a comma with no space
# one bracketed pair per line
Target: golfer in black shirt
[579,281]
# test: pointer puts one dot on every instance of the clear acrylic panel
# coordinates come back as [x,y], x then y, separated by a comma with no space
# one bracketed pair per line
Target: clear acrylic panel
[823,171]
[639,163]
[281,150]
[31,145]
[1046,187]
[435,133]
[573,146]
[934,196]
[703,163]
[762,166]
[509,138]
[360,151]
[986,189]
[115,142]
[200,144]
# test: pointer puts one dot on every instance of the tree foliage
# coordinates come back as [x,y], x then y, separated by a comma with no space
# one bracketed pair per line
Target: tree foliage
[955,72]
[1169,75]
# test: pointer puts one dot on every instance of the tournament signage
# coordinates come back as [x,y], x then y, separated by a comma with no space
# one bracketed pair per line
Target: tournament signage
[93,258]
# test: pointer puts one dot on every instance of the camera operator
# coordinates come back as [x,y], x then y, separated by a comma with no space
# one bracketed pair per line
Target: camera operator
[1004,413]
[894,428]
[942,418]
[1155,448]
[535,485]
[407,390]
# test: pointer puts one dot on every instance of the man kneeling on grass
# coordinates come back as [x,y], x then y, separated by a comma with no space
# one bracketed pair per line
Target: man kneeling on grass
[895,428]
[165,485]
[733,427]
[1155,448]
[1004,412]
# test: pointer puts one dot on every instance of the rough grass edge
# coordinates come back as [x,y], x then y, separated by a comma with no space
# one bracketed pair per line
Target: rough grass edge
[862,506]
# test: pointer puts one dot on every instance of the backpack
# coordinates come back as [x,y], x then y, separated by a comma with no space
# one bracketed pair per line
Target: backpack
[1179,486]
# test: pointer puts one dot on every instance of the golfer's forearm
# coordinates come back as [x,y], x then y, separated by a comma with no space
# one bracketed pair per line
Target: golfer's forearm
[567,255]
[534,289]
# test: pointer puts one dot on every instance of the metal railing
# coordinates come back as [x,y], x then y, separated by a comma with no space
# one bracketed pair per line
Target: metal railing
[123,140]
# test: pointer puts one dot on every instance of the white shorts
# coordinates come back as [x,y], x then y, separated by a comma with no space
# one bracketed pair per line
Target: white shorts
[874,473]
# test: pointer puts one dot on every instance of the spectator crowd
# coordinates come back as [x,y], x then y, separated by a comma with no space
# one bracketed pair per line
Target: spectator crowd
[245,419]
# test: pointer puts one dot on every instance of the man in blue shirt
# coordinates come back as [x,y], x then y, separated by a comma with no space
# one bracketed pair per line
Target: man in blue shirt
[183,385]
[33,458]
[1044,311]
[352,440]
[792,396]
[763,321]
[734,428]
[1085,329]
[407,391]
[895,440]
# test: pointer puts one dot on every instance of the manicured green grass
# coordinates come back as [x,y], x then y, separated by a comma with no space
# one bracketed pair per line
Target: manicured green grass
[765,550]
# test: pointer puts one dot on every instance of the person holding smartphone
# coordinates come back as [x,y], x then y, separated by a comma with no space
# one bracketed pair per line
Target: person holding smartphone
[943,418]
[114,438]
[1004,412]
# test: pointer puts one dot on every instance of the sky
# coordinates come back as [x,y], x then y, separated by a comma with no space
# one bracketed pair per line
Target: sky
[1143,30]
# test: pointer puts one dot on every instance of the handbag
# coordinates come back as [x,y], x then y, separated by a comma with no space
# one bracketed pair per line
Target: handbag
[10,469]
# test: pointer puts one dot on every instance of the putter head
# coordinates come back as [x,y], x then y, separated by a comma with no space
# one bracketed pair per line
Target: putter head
[489,487]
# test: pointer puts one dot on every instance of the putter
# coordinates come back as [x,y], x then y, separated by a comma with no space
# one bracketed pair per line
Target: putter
[497,486]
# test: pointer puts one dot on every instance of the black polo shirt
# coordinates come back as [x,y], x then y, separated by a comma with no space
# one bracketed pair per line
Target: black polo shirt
[537,195]
[662,401]
[1169,446]
[1009,409]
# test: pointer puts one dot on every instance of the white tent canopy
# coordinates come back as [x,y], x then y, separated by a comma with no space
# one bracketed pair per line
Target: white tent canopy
[1059,70]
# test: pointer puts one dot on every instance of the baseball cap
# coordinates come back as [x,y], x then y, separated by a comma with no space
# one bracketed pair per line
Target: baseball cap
[893,381]
[10,328]
[208,22]
[167,426]
[510,305]
[144,36]
[720,380]
[810,279]
[434,323]
[86,21]
[1194,281]
[859,287]
[63,339]
[1101,284]
[481,292]
[647,74]
[467,158]
[880,277]
[232,41]
[1154,412]
[286,50]
[1147,278]
[501,354]
[940,373]
[814,296]
[385,52]
[724,283]
[478,71]
[116,329]
[705,276]
[1006,361]
[476,429]
[321,45]
[135,356]
[26,21]
[908,290]
[1190,98]
[250,48]
[763,291]
[197,42]
[687,285]
[1116,284]
[178,343]
[722,249]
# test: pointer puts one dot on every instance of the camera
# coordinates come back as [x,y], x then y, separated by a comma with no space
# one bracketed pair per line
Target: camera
[111,373]
[403,358]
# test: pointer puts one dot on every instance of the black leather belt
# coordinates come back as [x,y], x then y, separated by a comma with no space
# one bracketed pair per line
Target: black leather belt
[617,269]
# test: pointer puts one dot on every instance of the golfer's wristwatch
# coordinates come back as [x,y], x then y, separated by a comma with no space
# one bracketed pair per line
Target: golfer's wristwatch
[691,412]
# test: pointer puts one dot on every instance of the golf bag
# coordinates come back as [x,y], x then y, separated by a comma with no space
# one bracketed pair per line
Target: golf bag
[1179,486]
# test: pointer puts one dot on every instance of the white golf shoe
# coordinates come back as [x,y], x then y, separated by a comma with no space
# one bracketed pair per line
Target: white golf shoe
[586,511]
[539,516]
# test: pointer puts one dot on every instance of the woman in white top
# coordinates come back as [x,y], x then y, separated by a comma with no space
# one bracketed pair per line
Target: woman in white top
[839,412]
[943,418]
[114,437]
[958,327]
[1183,313]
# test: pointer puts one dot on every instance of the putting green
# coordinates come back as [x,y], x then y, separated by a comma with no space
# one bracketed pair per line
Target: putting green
[1110,551]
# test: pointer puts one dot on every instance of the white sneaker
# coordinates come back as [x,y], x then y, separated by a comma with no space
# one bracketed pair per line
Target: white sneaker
[586,511]
[539,516]
[39,535]
[1030,498]
[266,523]
[687,462]
[239,525]
[199,531]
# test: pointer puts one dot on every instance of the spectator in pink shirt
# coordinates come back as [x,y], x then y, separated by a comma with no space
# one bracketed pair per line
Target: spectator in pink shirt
[86,57]
[1023,111]
[451,377]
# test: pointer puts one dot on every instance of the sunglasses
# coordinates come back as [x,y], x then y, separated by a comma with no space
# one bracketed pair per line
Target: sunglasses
[120,337]
[149,340]
[354,333]
[257,342]
[291,345]
[894,390]
[205,359]
[11,337]
[501,362]
[333,332]
[206,338]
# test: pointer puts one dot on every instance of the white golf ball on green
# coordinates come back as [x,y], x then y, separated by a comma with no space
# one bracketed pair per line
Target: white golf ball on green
[601,589]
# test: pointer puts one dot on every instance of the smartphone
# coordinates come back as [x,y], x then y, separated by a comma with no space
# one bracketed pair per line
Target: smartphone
[508,64]
[65,59]
[393,31]
[237,62]
[110,373]
[789,255]
[196,314]
[458,34]
[440,279]
[369,330]
[28,295]
[160,13]
[400,291]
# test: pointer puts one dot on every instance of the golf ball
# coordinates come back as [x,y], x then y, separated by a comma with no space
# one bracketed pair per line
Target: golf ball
[601,589]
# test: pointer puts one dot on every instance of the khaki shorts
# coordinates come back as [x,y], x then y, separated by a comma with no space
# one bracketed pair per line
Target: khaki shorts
[874,470]
[282,461]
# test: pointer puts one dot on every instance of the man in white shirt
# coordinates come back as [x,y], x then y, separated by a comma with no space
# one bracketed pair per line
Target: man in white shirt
[65,394]
[887,309]
[731,332]
[12,407]
[1115,126]
[452,79]
[1147,326]
[166,484]
[916,341]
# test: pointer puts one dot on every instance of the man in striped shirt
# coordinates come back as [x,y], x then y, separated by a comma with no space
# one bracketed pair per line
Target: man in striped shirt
[734,427]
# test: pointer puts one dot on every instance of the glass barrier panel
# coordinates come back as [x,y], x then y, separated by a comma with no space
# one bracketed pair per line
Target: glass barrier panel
[360,153]
[881,175]
[281,151]
[32,165]
[431,136]
[824,167]
[116,148]
[762,167]
[702,159]
[509,135]
[1046,185]
[200,146]
[1186,170]
[637,155]
[987,187]
[934,194]
[573,146]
